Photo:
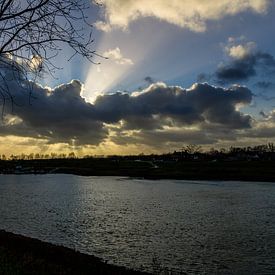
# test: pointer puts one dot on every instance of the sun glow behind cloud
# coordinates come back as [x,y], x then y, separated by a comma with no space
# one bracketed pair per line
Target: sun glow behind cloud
[102,77]
[127,52]
[112,68]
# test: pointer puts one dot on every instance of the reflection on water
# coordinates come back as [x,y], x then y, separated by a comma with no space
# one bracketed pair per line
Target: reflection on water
[188,226]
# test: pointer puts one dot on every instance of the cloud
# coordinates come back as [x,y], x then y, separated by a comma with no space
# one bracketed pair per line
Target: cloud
[116,55]
[238,70]
[192,14]
[158,116]
[160,105]
[240,51]
[61,115]
[58,115]
[245,61]
[162,137]
[164,115]
[263,128]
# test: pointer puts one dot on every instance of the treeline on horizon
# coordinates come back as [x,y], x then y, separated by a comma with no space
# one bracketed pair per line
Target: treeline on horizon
[192,152]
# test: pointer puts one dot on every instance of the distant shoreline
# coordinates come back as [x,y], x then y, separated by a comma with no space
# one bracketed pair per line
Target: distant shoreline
[193,176]
[262,171]
[157,177]
[24,255]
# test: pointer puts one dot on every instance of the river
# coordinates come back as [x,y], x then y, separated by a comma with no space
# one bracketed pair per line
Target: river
[203,227]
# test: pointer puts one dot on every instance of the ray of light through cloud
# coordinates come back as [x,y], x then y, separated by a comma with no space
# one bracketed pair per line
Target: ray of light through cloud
[126,54]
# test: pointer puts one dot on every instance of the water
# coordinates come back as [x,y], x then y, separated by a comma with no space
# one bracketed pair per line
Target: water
[182,226]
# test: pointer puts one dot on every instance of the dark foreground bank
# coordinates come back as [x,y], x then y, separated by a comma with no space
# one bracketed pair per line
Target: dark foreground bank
[22,255]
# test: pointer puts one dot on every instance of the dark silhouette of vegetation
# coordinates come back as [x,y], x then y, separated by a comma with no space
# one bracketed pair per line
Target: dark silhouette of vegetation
[32,156]
[189,152]
[236,163]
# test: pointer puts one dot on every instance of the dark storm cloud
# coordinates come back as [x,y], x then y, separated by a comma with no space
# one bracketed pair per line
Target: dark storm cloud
[58,115]
[162,105]
[236,71]
[242,69]
[62,114]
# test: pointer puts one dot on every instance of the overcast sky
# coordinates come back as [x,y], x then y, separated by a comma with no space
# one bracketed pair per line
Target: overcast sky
[178,72]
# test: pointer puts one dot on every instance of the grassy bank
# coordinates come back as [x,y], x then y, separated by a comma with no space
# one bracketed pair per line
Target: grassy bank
[22,255]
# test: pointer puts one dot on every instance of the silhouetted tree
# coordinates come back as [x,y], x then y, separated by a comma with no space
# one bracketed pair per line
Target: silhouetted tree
[192,149]
[71,155]
[37,156]
[271,147]
[30,156]
[53,155]
[33,32]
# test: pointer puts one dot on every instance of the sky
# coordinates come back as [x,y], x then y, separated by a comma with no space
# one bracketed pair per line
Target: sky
[175,73]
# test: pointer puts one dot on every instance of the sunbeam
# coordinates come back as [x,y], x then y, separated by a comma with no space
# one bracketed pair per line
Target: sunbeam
[126,54]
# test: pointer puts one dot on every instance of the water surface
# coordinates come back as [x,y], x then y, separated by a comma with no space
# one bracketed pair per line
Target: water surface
[185,226]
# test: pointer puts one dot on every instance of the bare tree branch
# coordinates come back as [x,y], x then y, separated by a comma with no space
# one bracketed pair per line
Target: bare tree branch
[33,32]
